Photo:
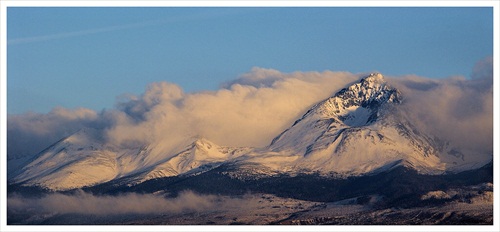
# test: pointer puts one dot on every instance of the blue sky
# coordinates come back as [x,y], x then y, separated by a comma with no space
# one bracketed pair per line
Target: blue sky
[87,57]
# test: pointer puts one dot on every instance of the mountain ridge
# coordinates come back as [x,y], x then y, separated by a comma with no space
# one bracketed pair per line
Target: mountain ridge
[360,130]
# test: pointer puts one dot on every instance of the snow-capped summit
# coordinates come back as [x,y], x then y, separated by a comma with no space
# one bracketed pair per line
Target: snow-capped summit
[369,93]
[362,129]
[374,78]
[354,106]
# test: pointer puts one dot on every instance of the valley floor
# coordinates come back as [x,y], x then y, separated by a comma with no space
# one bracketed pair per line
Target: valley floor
[274,210]
[265,209]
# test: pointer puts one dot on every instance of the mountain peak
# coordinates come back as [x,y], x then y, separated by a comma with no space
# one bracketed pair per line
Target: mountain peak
[355,106]
[369,93]
[374,77]
[368,90]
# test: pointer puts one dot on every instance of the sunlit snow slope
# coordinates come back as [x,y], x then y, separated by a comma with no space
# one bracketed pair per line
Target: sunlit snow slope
[362,129]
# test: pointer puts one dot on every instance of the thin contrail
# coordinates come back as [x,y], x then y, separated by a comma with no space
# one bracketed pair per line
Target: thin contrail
[63,35]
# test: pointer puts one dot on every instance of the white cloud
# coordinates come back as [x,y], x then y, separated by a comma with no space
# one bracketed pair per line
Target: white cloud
[248,112]
[86,203]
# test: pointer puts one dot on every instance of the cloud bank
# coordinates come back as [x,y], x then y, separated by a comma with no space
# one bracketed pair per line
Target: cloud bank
[86,203]
[249,111]
[82,208]
[455,109]
[257,106]
[31,132]
[86,208]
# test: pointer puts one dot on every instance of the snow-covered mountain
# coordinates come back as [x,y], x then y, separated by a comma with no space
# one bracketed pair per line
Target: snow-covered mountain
[75,161]
[82,159]
[362,129]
